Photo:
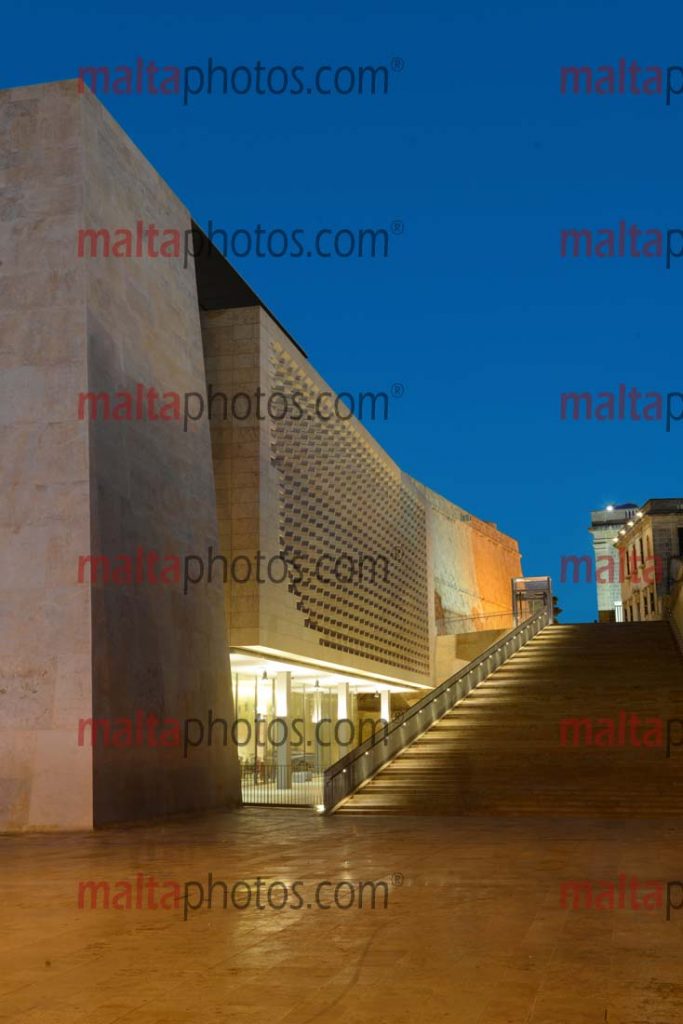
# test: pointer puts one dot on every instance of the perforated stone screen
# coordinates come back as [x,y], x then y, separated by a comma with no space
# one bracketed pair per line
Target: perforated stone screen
[339,499]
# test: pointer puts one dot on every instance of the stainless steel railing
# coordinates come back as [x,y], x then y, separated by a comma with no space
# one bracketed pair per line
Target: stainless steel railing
[268,781]
[346,775]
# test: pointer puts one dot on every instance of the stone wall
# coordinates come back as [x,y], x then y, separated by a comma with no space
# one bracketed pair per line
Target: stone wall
[313,488]
[473,564]
[151,485]
[104,487]
[45,636]
[310,487]
[231,339]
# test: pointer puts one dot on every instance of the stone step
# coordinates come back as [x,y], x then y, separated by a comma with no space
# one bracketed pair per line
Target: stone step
[499,750]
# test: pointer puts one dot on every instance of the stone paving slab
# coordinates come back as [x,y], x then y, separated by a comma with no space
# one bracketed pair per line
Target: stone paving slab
[472,932]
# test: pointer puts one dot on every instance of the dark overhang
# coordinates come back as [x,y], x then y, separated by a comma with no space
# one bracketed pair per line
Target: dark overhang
[219,286]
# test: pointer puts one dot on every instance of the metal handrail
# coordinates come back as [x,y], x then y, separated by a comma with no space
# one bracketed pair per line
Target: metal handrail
[359,765]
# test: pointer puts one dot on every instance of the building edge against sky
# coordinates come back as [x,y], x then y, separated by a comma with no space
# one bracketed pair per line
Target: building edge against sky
[307,489]
[605,523]
[650,548]
[638,561]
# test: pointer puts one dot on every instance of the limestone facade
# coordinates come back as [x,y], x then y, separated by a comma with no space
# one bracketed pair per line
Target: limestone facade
[651,547]
[382,577]
[73,486]
[318,488]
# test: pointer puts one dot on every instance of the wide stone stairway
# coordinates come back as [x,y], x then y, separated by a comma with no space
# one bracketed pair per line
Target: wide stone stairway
[500,750]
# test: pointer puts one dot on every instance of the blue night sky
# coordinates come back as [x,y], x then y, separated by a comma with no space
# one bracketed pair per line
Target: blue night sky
[484,161]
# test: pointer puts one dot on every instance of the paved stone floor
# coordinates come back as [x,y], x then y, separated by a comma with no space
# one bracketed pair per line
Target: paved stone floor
[473,931]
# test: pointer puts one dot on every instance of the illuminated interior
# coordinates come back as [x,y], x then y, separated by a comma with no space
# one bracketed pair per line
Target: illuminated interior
[295,718]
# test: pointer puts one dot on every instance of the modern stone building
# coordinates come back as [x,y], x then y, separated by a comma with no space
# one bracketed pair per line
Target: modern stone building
[377,586]
[291,545]
[72,486]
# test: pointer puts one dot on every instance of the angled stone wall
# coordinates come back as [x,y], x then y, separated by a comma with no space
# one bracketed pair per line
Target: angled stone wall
[45,636]
[101,487]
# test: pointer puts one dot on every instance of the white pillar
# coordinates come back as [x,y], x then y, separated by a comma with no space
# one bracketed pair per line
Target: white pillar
[342,701]
[385,705]
[343,716]
[316,718]
[282,732]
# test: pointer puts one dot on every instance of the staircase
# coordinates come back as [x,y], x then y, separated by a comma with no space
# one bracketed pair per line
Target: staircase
[499,751]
